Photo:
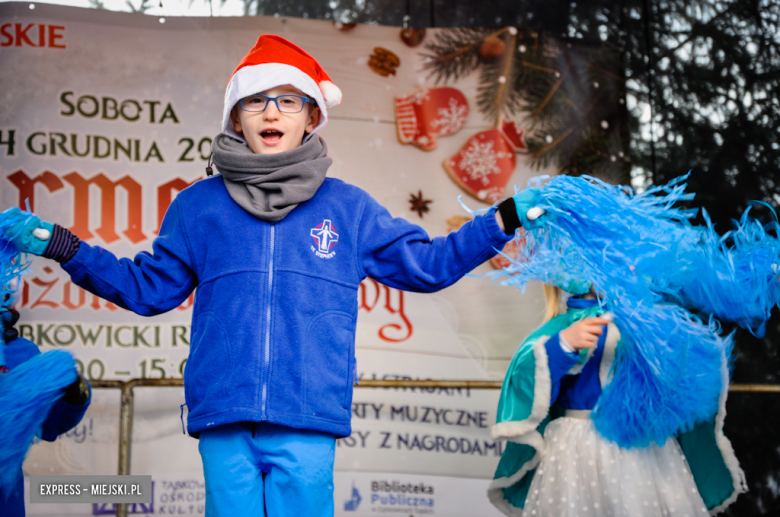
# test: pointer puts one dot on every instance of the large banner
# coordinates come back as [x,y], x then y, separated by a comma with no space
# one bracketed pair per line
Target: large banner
[107,116]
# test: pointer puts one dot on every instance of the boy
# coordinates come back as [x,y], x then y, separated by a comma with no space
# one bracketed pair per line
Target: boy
[276,252]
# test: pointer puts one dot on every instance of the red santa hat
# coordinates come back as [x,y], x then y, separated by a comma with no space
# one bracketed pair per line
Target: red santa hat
[272,62]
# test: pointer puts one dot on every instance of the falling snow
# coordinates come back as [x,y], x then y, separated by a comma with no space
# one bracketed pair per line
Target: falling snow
[479,160]
[451,118]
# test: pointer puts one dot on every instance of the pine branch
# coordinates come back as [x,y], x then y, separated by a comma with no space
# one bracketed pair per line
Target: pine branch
[539,67]
[538,80]
[548,97]
[454,53]
[582,140]
[494,98]
[569,94]
[142,7]
[504,97]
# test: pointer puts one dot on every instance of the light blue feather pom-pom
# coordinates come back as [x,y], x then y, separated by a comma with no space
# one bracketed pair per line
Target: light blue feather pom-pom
[29,390]
[12,262]
[667,375]
[663,278]
[607,234]
[733,277]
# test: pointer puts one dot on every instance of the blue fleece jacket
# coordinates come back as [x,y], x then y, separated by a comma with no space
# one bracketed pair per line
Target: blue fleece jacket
[273,327]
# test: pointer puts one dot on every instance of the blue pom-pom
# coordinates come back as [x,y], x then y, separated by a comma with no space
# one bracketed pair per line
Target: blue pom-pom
[663,278]
[733,277]
[667,375]
[13,263]
[28,391]
[27,394]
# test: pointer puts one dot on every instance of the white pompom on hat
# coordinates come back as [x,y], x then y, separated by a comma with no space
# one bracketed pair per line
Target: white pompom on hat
[272,62]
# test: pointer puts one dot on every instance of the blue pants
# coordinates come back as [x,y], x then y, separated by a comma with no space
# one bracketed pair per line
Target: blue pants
[258,470]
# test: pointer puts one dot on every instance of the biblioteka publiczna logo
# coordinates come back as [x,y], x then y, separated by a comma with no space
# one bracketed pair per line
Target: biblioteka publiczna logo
[395,494]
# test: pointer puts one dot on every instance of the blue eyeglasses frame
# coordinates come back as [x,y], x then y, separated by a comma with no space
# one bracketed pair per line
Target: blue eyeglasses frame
[275,101]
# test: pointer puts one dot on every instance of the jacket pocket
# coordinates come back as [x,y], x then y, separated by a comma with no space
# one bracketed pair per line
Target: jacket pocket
[328,363]
[209,365]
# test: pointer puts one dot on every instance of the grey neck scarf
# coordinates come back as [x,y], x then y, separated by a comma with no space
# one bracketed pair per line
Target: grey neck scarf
[269,186]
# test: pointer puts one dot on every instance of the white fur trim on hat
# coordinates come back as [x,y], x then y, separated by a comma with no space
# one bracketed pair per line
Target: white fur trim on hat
[331,93]
[258,78]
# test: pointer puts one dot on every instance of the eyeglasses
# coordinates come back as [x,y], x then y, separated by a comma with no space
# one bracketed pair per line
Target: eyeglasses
[288,103]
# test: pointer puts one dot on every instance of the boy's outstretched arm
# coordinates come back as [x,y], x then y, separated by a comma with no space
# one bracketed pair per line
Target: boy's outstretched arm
[402,255]
[151,283]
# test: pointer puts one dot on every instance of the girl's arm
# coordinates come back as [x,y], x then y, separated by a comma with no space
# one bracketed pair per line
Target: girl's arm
[563,348]
[584,333]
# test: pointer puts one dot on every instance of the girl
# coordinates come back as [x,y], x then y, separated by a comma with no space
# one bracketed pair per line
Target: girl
[555,461]
[625,417]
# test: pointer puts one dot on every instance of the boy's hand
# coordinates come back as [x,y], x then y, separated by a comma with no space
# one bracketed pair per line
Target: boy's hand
[530,216]
[520,210]
[31,235]
[585,333]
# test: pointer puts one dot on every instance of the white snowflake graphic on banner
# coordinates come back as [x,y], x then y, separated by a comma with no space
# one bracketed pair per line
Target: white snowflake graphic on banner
[479,161]
[451,118]
[421,96]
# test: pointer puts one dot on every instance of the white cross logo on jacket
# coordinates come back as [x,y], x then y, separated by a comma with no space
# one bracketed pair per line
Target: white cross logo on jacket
[325,236]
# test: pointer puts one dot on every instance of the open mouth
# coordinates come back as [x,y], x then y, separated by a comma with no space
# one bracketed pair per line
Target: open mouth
[271,136]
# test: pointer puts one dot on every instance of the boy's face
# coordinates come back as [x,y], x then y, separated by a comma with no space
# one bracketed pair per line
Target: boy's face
[270,131]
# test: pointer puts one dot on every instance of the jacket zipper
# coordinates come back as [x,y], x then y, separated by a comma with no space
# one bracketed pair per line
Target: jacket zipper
[267,351]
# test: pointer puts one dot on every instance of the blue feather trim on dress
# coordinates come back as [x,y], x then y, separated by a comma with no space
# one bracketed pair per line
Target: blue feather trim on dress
[665,280]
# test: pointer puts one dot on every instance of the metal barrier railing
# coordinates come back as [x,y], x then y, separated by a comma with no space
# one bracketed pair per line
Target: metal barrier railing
[127,398]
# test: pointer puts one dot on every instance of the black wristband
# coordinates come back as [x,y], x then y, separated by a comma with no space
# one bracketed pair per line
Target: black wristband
[62,245]
[508,212]
[77,393]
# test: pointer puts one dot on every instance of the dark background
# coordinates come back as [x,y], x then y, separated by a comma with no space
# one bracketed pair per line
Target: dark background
[705,80]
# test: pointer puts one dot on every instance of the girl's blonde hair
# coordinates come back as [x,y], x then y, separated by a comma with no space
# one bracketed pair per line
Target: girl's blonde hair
[554,298]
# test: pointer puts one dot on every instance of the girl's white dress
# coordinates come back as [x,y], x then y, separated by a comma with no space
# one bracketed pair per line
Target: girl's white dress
[584,475]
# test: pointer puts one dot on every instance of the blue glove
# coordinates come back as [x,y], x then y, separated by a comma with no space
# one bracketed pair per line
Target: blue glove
[530,216]
[30,235]
[521,210]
